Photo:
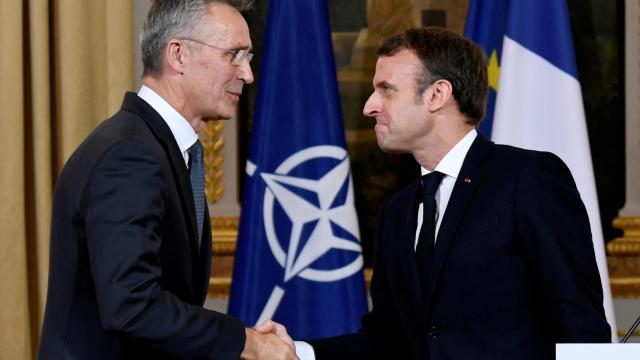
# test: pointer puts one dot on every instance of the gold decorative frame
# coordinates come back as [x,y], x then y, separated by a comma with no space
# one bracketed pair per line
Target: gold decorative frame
[213,142]
[224,234]
[224,229]
[624,259]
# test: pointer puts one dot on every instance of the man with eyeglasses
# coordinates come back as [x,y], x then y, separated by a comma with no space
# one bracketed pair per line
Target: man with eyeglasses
[130,240]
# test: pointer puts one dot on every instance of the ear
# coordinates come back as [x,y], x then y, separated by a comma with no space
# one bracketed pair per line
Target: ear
[175,54]
[439,94]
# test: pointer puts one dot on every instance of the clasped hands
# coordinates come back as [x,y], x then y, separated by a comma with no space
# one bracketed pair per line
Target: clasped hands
[268,340]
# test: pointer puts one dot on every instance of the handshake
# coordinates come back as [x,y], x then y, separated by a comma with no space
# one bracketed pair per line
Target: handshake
[268,340]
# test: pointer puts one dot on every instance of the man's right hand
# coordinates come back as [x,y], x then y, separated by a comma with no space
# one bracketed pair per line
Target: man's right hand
[266,346]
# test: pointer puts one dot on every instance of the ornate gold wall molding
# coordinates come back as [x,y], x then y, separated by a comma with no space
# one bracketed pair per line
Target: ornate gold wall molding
[224,231]
[224,235]
[219,287]
[213,141]
[625,287]
[624,259]
[629,244]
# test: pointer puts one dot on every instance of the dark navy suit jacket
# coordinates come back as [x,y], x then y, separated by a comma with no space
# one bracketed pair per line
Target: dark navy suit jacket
[127,279]
[513,269]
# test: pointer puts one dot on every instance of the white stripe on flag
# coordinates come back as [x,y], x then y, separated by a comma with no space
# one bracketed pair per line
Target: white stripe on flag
[272,305]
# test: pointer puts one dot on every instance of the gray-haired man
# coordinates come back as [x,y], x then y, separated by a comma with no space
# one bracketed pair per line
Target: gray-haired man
[130,246]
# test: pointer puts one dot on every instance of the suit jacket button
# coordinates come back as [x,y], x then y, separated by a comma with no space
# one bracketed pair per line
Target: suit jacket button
[434,332]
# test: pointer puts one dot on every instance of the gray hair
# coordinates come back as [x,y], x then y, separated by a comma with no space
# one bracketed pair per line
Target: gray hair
[174,18]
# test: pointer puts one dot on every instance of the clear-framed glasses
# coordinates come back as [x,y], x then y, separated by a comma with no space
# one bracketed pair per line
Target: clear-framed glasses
[236,55]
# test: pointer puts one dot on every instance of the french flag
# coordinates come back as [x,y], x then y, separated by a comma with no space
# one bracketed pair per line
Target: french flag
[535,89]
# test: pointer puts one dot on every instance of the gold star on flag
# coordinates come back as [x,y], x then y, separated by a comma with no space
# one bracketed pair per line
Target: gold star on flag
[494,70]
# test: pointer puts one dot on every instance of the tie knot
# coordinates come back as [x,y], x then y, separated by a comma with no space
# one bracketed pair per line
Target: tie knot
[430,182]
[195,151]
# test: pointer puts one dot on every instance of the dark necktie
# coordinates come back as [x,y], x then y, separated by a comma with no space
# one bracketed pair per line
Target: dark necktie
[426,238]
[196,170]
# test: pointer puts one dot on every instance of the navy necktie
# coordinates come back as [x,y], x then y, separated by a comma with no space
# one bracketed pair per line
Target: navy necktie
[196,170]
[426,238]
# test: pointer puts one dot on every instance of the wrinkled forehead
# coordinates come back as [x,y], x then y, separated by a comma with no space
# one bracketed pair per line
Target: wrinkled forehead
[226,26]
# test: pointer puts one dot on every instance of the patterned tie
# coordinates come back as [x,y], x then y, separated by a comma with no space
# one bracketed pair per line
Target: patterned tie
[426,239]
[197,184]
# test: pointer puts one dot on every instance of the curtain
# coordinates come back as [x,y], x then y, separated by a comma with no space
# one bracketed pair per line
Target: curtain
[64,67]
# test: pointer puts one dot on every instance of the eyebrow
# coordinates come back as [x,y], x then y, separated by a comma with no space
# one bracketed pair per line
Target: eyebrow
[385,84]
[241,47]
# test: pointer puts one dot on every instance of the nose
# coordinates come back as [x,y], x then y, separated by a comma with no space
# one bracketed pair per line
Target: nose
[244,72]
[372,106]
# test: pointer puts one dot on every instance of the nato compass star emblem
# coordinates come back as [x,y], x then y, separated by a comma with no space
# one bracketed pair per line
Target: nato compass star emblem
[299,257]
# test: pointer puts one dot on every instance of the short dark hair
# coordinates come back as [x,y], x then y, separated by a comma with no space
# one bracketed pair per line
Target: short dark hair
[449,56]
[174,18]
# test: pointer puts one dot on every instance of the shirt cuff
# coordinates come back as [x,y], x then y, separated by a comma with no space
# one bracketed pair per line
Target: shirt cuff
[304,350]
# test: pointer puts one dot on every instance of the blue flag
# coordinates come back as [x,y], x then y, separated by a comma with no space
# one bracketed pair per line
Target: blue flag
[538,99]
[298,258]
[486,23]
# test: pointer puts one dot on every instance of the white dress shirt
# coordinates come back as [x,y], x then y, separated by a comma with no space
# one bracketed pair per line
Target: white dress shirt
[180,128]
[450,166]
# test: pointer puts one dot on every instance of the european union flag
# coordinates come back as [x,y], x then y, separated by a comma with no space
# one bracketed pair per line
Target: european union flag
[298,258]
[538,99]
[486,24]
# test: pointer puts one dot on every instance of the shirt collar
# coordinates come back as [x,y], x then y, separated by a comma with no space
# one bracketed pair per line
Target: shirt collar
[180,128]
[451,163]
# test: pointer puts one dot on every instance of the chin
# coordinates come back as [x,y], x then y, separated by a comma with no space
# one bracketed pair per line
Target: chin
[383,144]
[220,115]
[390,147]
[227,114]
[386,148]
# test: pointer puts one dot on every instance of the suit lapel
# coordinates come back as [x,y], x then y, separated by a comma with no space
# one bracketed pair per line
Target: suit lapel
[472,169]
[406,219]
[408,242]
[205,255]
[180,172]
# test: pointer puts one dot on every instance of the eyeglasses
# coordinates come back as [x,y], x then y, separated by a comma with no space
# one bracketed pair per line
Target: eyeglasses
[237,55]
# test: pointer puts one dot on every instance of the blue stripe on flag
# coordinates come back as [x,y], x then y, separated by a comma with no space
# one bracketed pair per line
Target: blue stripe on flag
[486,21]
[542,27]
[486,24]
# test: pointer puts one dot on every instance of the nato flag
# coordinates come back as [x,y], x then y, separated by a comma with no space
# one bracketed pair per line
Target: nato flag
[298,258]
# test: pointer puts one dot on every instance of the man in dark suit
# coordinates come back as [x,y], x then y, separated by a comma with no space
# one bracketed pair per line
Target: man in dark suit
[489,255]
[130,239]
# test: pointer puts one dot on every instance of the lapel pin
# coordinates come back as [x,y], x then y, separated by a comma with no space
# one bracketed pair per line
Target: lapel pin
[467,181]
